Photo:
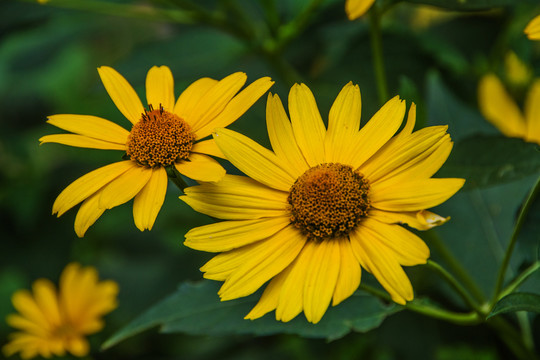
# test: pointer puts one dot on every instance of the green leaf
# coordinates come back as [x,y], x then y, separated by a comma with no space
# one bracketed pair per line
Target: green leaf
[489,160]
[196,309]
[467,4]
[517,302]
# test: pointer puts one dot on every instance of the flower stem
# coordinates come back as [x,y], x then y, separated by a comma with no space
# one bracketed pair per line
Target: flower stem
[176,178]
[470,318]
[519,280]
[377,54]
[438,245]
[456,285]
[508,254]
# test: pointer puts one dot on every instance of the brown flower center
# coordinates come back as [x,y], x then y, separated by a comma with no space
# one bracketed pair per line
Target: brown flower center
[328,201]
[159,139]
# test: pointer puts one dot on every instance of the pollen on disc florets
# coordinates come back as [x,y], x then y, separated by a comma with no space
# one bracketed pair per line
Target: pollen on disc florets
[159,139]
[328,201]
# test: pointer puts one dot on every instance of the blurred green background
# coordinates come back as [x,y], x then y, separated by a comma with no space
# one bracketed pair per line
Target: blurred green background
[48,61]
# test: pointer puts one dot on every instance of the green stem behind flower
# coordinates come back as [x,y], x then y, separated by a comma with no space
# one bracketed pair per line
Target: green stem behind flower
[438,245]
[377,54]
[508,254]
[456,285]
[176,178]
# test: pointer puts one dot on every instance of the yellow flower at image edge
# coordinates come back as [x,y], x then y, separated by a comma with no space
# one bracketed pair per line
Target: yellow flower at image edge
[501,110]
[165,134]
[324,204]
[52,322]
[357,8]
[532,30]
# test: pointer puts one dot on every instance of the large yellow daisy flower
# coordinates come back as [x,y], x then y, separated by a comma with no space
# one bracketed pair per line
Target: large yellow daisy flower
[532,30]
[323,204]
[52,322]
[501,110]
[165,134]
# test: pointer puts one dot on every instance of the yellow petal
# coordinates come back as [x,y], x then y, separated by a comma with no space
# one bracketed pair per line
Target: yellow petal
[270,298]
[47,300]
[228,235]
[121,93]
[307,124]
[149,200]
[291,299]
[384,267]
[242,186]
[188,101]
[229,204]
[409,125]
[91,126]
[88,214]
[532,112]
[357,8]
[160,88]
[321,279]
[221,266]
[215,100]
[377,131]
[407,248]
[423,166]
[282,138]
[124,187]
[254,160]
[499,108]
[200,167]
[236,107]
[533,29]
[81,141]
[88,184]
[25,304]
[420,220]
[403,152]
[343,123]
[78,346]
[271,257]
[208,147]
[22,323]
[415,195]
[349,273]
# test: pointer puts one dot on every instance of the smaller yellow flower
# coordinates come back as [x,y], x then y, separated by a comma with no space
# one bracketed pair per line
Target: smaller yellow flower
[168,133]
[52,322]
[357,8]
[502,111]
[533,29]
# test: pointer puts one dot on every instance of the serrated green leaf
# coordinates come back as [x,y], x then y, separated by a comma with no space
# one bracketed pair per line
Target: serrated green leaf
[467,5]
[490,160]
[517,302]
[196,309]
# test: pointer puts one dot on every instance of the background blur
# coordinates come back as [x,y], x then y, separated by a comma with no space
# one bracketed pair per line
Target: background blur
[48,61]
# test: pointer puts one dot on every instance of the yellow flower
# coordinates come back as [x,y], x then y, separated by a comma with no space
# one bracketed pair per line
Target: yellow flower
[502,111]
[52,322]
[323,204]
[533,29]
[357,8]
[165,134]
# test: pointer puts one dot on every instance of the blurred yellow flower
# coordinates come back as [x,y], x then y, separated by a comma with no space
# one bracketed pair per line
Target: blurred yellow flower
[323,204]
[357,8]
[165,134]
[533,29]
[502,111]
[54,322]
